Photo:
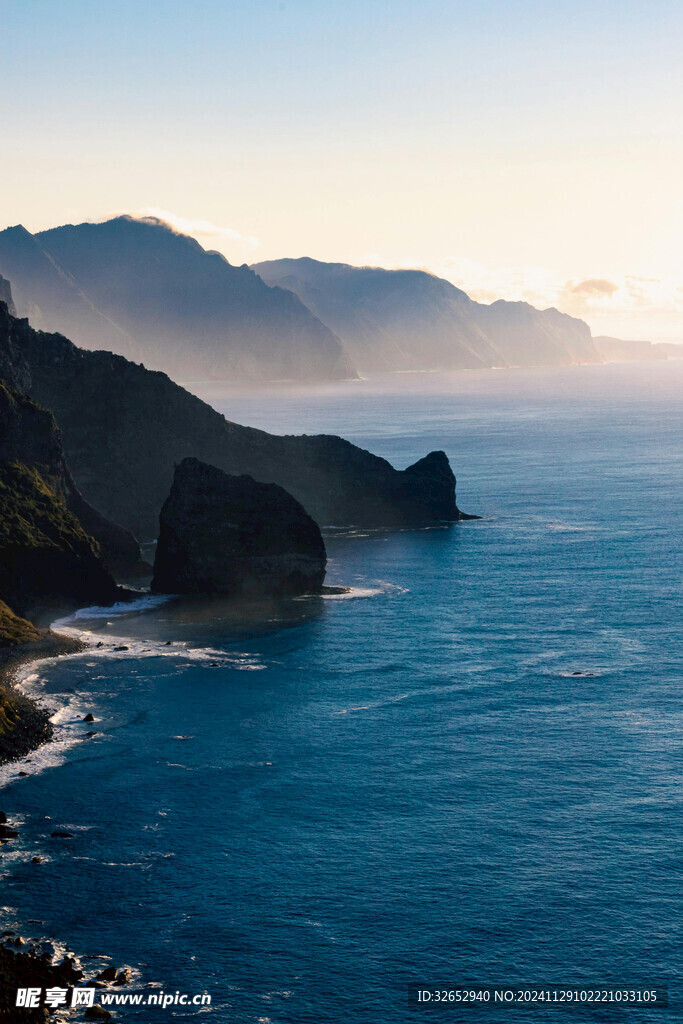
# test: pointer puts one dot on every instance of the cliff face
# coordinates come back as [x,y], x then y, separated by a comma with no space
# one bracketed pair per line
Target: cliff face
[223,534]
[6,295]
[29,436]
[125,428]
[142,290]
[524,336]
[46,558]
[411,320]
[388,319]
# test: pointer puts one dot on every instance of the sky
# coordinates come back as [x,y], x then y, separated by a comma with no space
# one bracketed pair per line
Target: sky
[524,150]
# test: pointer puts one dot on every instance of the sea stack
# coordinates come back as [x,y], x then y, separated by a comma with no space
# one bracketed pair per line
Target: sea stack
[222,534]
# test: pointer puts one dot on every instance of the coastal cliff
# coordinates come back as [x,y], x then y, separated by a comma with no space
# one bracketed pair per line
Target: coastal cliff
[30,437]
[125,428]
[47,560]
[222,534]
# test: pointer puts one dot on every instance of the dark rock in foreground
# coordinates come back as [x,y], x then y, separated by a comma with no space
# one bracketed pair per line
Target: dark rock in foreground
[28,963]
[223,534]
[97,1012]
[46,558]
[108,974]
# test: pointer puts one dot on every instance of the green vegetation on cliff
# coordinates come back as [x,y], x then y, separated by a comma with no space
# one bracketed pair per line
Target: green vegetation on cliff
[15,630]
[46,557]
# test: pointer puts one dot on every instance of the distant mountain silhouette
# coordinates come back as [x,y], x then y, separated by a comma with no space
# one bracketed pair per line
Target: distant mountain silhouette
[140,289]
[618,350]
[51,299]
[412,320]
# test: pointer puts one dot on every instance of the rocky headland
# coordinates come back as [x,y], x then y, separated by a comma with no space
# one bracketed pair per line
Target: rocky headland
[91,440]
[89,445]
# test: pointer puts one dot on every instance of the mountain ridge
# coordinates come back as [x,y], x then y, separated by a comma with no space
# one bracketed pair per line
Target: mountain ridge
[145,291]
[46,294]
[412,319]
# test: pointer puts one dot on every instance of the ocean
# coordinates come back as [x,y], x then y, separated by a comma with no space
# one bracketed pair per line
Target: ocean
[465,771]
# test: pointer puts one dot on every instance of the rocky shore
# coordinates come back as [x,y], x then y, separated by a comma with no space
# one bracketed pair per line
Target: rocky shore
[23,725]
[39,963]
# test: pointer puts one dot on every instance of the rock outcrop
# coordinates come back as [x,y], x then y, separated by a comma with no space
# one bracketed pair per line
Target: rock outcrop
[222,534]
[125,428]
[411,320]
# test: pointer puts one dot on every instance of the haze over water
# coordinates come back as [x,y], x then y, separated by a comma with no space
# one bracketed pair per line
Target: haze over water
[302,813]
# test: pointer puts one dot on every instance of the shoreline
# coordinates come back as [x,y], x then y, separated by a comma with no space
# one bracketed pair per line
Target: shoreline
[24,725]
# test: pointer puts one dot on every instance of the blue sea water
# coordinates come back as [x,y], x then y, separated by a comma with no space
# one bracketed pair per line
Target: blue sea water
[303,808]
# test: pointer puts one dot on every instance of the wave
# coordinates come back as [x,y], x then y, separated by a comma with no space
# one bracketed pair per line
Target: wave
[372,591]
[67,712]
[142,604]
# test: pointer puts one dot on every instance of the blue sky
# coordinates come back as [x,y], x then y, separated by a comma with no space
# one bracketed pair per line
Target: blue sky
[518,148]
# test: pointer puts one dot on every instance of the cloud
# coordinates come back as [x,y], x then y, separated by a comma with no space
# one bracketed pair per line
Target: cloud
[629,306]
[201,229]
[595,286]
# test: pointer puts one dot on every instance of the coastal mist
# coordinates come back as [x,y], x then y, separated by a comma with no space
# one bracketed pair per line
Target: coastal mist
[467,769]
